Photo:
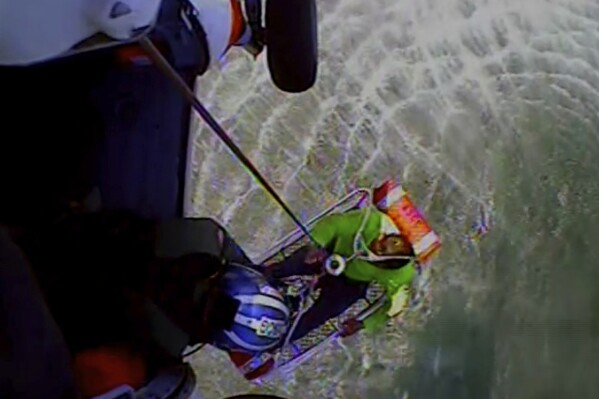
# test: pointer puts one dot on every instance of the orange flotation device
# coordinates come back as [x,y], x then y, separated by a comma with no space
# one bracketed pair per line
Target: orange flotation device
[394,201]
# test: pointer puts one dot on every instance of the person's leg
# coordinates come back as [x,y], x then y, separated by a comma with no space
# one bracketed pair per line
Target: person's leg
[337,293]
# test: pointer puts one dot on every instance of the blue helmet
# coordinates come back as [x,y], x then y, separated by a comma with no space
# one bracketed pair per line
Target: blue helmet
[262,318]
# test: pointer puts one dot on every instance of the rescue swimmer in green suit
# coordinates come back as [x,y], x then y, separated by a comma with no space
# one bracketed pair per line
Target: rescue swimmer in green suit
[374,250]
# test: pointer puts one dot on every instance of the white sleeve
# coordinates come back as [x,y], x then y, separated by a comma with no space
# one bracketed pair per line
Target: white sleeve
[38,30]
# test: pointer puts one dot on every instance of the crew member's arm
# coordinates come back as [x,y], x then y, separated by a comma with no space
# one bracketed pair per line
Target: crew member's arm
[325,232]
[293,265]
[299,263]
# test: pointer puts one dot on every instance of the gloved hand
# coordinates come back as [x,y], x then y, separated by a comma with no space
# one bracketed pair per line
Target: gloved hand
[316,256]
[350,327]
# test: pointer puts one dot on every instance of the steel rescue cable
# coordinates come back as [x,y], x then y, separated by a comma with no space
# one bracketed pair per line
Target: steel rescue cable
[161,62]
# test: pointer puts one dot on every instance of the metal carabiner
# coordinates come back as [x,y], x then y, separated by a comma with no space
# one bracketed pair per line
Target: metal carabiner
[335,264]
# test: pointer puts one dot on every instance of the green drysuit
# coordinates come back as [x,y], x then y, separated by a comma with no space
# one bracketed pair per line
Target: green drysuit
[337,233]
